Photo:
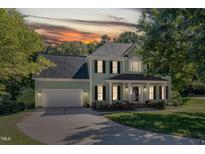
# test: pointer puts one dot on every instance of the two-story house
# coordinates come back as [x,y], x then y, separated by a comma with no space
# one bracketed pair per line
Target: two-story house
[112,73]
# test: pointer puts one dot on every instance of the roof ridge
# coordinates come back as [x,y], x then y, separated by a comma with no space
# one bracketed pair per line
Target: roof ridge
[64,55]
[133,44]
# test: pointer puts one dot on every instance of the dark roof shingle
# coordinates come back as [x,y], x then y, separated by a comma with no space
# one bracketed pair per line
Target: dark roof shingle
[112,49]
[66,67]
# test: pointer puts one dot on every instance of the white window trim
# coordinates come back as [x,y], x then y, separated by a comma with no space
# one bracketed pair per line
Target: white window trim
[163,92]
[151,92]
[114,92]
[114,68]
[137,68]
[99,68]
[100,92]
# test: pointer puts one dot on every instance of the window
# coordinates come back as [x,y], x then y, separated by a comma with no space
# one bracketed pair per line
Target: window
[99,66]
[114,67]
[100,92]
[151,92]
[135,66]
[115,93]
[163,92]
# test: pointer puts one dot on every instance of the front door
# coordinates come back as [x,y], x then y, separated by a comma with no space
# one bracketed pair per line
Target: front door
[136,95]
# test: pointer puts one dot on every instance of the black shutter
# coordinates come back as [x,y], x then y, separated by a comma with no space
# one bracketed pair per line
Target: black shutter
[160,92]
[104,92]
[167,92]
[95,66]
[103,66]
[154,92]
[118,93]
[96,93]
[118,67]
[111,67]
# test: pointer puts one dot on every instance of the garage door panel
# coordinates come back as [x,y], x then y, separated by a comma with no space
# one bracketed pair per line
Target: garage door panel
[62,98]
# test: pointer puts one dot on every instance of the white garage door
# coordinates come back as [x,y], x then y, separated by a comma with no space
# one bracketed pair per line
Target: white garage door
[62,97]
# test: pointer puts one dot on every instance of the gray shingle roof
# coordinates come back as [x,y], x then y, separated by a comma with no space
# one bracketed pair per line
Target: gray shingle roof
[66,67]
[112,49]
[136,77]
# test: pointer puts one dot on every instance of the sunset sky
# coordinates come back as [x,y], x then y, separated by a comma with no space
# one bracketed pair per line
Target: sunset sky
[87,25]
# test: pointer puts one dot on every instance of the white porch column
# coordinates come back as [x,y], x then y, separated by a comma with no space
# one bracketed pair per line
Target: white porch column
[110,93]
[123,91]
[129,90]
[147,92]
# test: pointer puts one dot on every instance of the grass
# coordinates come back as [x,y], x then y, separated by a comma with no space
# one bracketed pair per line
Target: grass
[187,120]
[9,132]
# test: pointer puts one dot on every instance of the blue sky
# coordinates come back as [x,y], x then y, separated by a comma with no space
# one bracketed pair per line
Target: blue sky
[86,25]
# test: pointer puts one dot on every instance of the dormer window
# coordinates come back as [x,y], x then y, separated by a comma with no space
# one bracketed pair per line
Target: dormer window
[114,67]
[135,66]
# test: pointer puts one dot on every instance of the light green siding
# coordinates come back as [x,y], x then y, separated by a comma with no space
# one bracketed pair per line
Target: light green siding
[100,78]
[40,85]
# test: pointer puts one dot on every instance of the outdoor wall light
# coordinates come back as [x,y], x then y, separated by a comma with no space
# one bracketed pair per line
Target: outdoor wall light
[145,89]
[39,93]
[85,93]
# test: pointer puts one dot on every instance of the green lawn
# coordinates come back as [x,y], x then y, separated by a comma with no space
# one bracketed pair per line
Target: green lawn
[186,120]
[10,134]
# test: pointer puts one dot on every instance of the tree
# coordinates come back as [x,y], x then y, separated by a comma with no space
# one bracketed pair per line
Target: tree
[19,46]
[128,37]
[75,48]
[104,39]
[174,43]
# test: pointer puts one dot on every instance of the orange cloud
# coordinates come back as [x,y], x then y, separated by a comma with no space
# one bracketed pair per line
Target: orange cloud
[57,34]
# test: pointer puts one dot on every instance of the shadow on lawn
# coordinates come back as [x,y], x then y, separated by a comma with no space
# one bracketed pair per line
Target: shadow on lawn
[178,123]
[115,134]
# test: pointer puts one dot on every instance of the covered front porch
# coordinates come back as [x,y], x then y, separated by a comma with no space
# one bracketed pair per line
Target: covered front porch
[139,91]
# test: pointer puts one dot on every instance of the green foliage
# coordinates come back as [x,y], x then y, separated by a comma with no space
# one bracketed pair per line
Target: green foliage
[27,96]
[128,37]
[18,43]
[73,48]
[7,106]
[173,43]
[19,46]
[176,98]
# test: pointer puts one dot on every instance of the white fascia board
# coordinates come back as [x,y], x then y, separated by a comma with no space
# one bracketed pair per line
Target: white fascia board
[60,79]
[135,81]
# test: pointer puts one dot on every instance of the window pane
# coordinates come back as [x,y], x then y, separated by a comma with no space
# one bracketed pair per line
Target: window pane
[100,66]
[163,92]
[100,93]
[114,67]
[114,93]
[151,92]
[135,66]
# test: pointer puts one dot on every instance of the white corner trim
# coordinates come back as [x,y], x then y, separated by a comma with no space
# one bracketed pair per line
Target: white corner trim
[60,79]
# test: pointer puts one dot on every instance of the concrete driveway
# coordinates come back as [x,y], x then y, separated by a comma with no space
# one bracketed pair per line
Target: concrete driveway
[83,126]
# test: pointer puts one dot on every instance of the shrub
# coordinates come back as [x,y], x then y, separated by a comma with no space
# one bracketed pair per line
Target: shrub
[8,106]
[116,105]
[86,104]
[27,97]
[99,105]
[160,104]
[176,98]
